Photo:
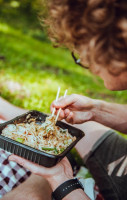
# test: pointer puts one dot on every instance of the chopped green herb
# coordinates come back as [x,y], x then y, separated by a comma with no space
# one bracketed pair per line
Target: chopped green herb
[56,151]
[62,149]
[48,148]
[47,130]
[21,140]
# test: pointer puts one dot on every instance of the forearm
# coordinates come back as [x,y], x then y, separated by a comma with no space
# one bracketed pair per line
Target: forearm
[76,194]
[8,110]
[111,115]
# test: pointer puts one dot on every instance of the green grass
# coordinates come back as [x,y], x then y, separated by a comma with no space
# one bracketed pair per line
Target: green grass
[39,69]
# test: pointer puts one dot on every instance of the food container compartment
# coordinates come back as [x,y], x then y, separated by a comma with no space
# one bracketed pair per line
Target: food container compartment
[34,155]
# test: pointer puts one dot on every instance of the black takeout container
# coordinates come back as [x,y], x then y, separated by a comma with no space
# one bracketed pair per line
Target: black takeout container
[29,153]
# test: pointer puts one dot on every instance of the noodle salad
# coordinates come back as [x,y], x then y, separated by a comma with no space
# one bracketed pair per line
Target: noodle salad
[45,137]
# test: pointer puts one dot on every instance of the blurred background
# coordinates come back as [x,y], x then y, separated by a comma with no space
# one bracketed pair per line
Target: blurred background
[31,69]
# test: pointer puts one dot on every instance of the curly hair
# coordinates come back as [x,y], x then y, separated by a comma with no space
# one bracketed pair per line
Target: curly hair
[95,29]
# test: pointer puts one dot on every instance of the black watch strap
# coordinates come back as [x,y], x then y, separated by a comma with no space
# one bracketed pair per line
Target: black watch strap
[66,188]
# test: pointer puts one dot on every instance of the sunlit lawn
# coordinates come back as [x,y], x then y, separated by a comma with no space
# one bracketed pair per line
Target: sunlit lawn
[40,69]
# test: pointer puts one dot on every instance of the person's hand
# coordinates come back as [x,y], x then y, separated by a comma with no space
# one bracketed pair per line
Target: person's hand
[55,175]
[75,109]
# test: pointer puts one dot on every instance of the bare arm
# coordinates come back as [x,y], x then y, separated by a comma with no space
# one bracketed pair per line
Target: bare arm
[112,115]
[8,110]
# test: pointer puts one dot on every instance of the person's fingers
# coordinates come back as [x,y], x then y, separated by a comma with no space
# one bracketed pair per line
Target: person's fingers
[64,101]
[79,117]
[52,107]
[35,168]
[43,171]
[67,112]
[61,115]
[64,114]
[52,104]
[69,119]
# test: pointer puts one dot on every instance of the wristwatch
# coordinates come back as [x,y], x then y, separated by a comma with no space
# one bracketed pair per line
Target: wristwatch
[66,188]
